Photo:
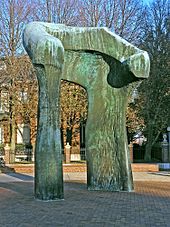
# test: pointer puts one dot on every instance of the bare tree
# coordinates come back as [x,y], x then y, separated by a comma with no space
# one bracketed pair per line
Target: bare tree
[155,92]
[13,16]
[122,16]
[73,111]
[91,13]
[57,11]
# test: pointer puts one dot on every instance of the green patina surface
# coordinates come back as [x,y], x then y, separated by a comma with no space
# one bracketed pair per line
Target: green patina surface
[104,64]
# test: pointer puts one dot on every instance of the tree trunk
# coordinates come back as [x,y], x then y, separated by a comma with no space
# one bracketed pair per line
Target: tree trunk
[12,129]
[48,156]
[13,141]
[148,149]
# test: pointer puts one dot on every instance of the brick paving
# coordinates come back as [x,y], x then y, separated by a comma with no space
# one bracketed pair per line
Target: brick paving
[147,206]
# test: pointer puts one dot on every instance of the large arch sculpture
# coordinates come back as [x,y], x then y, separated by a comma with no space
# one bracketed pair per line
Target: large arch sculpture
[104,64]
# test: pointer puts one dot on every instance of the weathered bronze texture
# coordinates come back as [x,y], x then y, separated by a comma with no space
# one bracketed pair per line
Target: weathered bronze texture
[104,64]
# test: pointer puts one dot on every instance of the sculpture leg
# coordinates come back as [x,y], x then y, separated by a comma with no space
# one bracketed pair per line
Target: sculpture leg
[107,151]
[48,156]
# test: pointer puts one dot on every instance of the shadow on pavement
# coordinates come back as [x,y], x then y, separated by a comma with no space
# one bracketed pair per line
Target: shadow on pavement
[21,176]
[167,174]
[6,169]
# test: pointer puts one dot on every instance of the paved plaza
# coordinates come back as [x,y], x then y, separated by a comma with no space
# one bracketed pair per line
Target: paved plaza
[147,206]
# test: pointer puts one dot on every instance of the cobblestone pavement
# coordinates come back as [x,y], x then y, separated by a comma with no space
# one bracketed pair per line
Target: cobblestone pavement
[147,206]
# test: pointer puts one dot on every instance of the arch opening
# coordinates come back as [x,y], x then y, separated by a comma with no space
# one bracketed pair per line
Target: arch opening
[73,108]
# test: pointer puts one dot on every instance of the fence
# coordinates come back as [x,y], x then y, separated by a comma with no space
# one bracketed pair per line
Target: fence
[22,152]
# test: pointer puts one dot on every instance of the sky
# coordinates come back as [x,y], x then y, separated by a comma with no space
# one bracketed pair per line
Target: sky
[148,1]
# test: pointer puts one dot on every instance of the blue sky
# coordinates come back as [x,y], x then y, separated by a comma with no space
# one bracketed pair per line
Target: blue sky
[147,1]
